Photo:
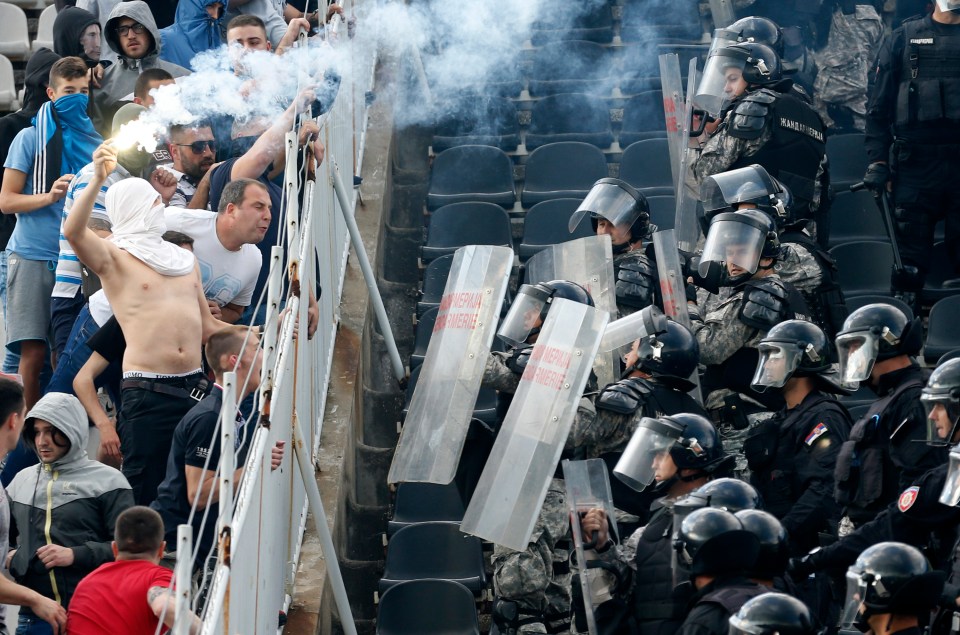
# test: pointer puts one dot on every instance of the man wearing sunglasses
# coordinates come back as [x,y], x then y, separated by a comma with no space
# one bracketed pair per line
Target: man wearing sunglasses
[194,151]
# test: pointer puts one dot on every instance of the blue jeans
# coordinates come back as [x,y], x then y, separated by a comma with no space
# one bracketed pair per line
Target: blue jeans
[75,353]
[32,625]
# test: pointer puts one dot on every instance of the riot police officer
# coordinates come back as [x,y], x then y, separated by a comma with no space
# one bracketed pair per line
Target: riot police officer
[773,614]
[792,455]
[620,211]
[765,123]
[877,345]
[717,552]
[891,589]
[913,116]
[771,566]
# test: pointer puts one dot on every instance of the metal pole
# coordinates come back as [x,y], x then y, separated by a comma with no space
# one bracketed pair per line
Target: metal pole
[181,622]
[368,276]
[302,452]
[228,462]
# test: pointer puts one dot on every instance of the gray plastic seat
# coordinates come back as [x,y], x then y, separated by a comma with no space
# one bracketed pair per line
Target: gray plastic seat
[459,224]
[427,607]
[663,210]
[848,159]
[422,334]
[424,502]
[643,118]
[640,23]
[471,173]
[434,550]
[941,269]
[863,300]
[647,164]
[855,216]
[434,281]
[857,279]
[484,409]
[569,117]
[545,224]
[474,120]
[595,24]
[576,66]
[567,169]
[942,333]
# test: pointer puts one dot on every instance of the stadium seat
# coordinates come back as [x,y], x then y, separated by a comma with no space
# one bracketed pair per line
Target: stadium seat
[476,120]
[8,88]
[569,117]
[647,22]
[421,338]
[434,281]
[14,36]
[848,159]
[942,333]
[545,224]
[863,396]
[427,607]
[425,502]
[36,5]
[471,173]
[954,354]
[855,216]
[941,269]
[856,278]
[567,169]
[484,410]
[458,224]
[571,67]
[647,164]
[434,550]
[643,118]
[595,24]
[663,211]
[863,300]
[45,29]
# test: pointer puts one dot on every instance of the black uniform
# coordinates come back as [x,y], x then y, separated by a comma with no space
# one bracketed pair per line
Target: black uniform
[791,458]
[914,108]
[712,606]
[886,450]
[637,282]
[654,607]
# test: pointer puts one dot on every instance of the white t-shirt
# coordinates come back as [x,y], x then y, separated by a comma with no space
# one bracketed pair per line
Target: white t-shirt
[228,276]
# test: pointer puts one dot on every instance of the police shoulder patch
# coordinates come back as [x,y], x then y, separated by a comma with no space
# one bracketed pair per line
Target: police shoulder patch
[908,498]
[818,431]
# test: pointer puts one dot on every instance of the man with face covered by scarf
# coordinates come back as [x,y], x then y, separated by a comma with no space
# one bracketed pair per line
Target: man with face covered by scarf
[157,297]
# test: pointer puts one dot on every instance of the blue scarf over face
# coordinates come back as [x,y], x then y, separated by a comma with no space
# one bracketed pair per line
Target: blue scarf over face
[66,140]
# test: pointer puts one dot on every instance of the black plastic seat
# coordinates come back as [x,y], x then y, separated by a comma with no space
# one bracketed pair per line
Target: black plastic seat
[576,66]
[942,333]
[594,25]
[434,281]
[848,159]
[427,607]
[663,210]
[569,117]
[863,396]
[941,269]
[425,502]
[567,169]
[954,354]
[459,224]
[855,216]
[545,224]
[647,164]
[471,173]
[422,334]
[863,300]
[476,120]
[863,267]
[642,23]
[434,550]
[484,410]
[643,118]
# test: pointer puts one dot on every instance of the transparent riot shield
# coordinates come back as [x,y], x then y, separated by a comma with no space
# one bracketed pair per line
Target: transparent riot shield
[673,108]
[588,487]
[685,221]
[673,287]
[628,329]
[443,400]
[723,13]
[588,262]
[514,482]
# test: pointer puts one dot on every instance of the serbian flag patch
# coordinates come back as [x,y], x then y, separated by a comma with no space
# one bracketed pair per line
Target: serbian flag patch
[816,433]
[908,498]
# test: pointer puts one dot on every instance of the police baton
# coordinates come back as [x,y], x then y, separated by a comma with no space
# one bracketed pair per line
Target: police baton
[883,202]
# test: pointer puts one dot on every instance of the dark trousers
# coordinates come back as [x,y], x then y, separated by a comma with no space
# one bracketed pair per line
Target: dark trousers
[147,422]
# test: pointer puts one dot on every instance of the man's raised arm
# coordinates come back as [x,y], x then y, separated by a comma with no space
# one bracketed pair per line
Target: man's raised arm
[92,250]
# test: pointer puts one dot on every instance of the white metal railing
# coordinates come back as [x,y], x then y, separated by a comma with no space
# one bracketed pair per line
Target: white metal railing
[260,535]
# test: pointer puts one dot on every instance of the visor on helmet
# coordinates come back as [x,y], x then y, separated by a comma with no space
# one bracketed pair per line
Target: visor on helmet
[525,316]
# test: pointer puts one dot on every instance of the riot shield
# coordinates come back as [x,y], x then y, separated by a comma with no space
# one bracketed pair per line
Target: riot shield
[588,262]
[685,221]
[673,287]
[723,13]
[506,503]
[443,400]
[588,487]
[673,107]
[629,329]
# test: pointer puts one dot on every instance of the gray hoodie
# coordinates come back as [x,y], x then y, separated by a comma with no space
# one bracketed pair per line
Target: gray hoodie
[120,79]
[73,502]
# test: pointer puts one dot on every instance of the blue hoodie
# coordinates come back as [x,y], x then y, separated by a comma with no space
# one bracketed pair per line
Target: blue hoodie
[193,32]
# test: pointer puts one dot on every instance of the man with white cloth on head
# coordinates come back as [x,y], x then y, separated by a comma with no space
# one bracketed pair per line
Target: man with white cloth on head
[157,296]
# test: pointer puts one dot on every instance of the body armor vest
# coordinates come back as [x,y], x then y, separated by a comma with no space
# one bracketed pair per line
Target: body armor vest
[929,88]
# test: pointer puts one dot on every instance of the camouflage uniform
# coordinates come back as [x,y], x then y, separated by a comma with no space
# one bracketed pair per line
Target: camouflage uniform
[844,63]
[499,376]
[800,268]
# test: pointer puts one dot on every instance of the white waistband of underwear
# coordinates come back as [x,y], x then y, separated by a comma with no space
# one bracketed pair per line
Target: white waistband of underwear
[144,374]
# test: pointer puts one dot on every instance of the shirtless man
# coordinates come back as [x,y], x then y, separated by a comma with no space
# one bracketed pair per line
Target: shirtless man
[157,297]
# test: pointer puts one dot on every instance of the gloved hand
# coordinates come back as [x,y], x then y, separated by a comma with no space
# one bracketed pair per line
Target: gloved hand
[800,568]
[877,176]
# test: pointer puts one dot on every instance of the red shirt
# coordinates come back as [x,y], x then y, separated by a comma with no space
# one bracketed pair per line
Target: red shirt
[113,599]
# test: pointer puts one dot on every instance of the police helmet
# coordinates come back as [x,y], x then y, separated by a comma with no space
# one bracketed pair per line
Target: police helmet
[529,309]
[890,577]
[672,355]
[794,348]
[738,238]
[726,493]
[758,29]
[772,614]
[751,185]
[774,551]
[942,391]
[873,333]
[761,63]
[713,542]
[619,203]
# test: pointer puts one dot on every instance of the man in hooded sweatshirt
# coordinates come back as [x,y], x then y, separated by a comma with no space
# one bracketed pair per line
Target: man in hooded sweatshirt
[133,35]
[63,511]
[77,33]
[197,29]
